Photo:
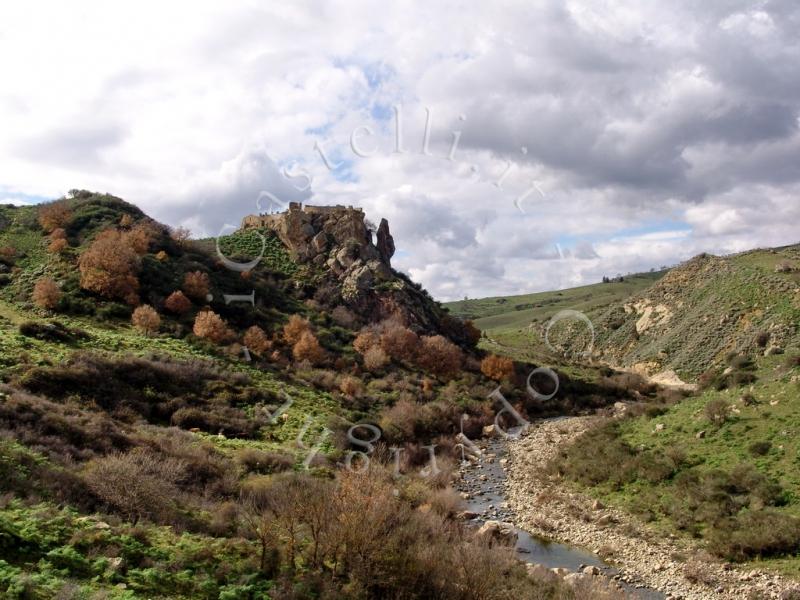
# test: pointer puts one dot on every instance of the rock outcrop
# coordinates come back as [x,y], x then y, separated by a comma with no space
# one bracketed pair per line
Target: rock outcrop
[346,267]
[385,241]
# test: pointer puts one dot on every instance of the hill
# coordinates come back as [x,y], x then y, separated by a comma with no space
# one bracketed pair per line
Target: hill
[513,324]
[704,310]
[246,417]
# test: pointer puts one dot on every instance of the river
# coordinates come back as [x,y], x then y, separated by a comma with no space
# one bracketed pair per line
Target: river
[484,481]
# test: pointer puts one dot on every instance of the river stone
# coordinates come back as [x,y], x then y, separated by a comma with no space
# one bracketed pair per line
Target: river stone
[499,532]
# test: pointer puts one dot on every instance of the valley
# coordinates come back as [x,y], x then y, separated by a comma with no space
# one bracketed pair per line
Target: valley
[174,425]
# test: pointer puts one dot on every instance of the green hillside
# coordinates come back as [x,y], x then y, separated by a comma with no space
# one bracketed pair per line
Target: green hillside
[703,310]
[513,324]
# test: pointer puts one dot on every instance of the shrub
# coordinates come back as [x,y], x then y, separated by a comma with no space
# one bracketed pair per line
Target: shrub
[440,356]
[257,340]
[762,339]
[446,502]
[59,429]
[52,332]
[109,267]
[756,534]
[57,246]
[497,367]
[54,215]
[308,348]
[46,293]
[181,235]
[136,483]
[178,303]
[471,333]
[759,448]
[351,386]
[209,325]
[146,319]
[344,317]
[365,340]
[58,241]
[717,411]
[196,285]
[265,463]
[399,342]
[375,358]
[215,419]
[141,236]
[295,328]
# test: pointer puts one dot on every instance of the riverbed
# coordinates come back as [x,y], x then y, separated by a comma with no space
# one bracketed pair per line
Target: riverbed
[545,505]
[484,481]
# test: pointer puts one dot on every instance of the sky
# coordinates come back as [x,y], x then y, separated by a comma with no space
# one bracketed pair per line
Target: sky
[512,146]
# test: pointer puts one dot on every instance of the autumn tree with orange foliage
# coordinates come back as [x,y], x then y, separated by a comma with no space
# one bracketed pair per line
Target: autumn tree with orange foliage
[109,267]
[351,386]
[209,325]
[146,319]
[196,285]
[178,303]
[439,355]
[46,293]
[308,348]
[54,215]
[375,358]
[141,236]
[399,342]
[497,367]
[257,340]
[366,339]
[295,328]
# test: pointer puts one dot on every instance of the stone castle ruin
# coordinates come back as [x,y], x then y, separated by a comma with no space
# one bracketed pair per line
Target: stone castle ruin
[350,268]
[336,237]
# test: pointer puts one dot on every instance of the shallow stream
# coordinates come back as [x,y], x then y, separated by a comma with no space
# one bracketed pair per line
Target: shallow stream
[484,481]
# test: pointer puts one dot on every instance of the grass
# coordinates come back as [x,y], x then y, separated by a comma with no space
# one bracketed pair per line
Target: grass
[761,432]
[507,312]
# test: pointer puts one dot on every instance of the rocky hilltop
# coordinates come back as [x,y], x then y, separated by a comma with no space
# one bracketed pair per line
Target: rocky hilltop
[349,267]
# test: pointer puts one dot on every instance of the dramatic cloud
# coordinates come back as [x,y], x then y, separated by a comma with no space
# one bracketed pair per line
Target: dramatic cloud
[565,140]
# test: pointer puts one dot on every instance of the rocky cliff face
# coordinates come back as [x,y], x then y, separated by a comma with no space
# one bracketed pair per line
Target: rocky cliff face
[351,269]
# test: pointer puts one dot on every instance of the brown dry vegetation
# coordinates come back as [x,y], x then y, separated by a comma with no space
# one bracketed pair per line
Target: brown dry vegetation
[178,303]
[146,319]
[209,325]
[46,293]
[196,285]
[109,267]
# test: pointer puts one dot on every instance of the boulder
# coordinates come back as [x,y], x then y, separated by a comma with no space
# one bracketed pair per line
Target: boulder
[498,532]
[466,515]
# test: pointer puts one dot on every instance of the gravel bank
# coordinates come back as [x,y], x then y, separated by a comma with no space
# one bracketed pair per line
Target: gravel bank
[544,507]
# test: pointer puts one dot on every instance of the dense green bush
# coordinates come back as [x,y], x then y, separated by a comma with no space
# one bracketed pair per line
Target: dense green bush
[755,534]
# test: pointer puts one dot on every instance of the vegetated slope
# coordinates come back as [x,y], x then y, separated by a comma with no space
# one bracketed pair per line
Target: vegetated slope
[514,325]
[705,309]
[720,467]
[144,453]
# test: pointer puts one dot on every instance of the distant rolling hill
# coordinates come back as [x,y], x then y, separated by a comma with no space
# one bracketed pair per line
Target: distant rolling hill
[687,320]
[507,320]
